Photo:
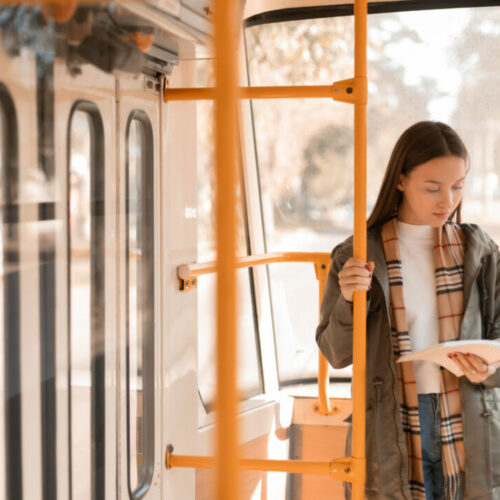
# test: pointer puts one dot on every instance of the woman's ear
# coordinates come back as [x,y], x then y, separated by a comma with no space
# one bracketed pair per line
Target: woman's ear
[400,185]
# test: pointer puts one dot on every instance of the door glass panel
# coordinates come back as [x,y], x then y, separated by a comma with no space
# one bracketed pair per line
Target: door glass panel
[80,313]
[87,302]
[140,303]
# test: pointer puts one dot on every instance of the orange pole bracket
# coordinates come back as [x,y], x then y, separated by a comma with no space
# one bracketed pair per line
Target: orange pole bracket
[351,91]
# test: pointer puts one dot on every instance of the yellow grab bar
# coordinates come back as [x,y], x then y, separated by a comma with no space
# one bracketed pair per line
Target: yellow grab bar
[226,20]
[344,90]
[359,307]
[285,92]
[344,469]
[188,273]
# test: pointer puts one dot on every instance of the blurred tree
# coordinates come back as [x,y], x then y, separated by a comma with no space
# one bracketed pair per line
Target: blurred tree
[292,136]
[477,115]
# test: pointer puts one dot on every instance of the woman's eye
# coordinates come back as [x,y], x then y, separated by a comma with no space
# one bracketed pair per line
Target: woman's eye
[458,187]
[432,190]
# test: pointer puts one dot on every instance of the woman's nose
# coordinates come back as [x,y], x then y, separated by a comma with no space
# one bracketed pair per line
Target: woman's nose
[446,200]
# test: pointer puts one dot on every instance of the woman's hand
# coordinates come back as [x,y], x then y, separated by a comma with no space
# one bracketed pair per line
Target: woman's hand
[474,367]
[356,275]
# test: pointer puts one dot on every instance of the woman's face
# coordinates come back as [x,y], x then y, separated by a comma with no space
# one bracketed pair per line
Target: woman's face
[432,191]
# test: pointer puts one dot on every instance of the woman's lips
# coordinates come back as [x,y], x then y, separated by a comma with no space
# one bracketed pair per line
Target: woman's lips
[442,215]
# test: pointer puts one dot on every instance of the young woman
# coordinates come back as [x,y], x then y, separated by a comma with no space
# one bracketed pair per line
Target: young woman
[430,279]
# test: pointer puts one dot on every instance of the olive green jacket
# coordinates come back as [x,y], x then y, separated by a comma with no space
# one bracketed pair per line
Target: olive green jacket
[387,463]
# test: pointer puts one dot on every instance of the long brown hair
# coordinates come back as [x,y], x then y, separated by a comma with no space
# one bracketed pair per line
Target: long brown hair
[419,144]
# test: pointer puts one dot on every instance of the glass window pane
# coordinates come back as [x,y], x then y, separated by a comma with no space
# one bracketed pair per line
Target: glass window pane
[305,171]
[87,308]
[249,369]
[140,307]
[435,65]
[80,310]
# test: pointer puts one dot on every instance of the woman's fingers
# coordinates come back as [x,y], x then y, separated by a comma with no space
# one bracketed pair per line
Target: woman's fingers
[354,267]
[355,276]
[473,367]
[477,362]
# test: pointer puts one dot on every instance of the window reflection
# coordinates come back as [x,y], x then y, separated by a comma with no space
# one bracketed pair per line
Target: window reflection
[140,303]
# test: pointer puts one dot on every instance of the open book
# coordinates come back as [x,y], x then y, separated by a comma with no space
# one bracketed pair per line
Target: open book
[488,350]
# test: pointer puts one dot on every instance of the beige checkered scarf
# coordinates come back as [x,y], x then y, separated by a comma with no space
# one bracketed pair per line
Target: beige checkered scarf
[448,260]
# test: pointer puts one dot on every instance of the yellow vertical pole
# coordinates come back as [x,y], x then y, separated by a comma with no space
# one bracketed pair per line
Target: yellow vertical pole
[226,25]
[323,380]
[359,328]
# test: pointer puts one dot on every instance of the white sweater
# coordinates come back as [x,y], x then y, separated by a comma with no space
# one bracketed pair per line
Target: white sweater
[416,245]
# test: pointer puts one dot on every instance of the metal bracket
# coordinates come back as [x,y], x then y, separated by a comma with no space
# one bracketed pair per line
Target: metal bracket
[349,469]
[168,453]
[321,270]
[334,409]
[352,91]
[189,284]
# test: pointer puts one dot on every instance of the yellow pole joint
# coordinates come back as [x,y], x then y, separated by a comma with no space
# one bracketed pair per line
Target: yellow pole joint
[349,469]
[352,90]
[321,269]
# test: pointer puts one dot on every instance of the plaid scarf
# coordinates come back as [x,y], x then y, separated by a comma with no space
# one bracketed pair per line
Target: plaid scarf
[448,261]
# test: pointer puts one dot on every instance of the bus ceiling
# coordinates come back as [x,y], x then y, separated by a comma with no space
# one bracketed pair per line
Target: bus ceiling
[274,11]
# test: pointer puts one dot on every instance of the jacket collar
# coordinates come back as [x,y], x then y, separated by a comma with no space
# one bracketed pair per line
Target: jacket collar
[478,246]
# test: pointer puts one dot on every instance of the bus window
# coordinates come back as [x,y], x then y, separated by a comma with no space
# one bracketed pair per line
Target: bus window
[249,362]
[306,151]
[432,64]
[86,275]
[140,303]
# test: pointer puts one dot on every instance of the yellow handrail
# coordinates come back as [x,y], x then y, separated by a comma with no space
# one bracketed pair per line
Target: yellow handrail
[343,469]
[187,272]
[226,17]
[337,90]
[359,307]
